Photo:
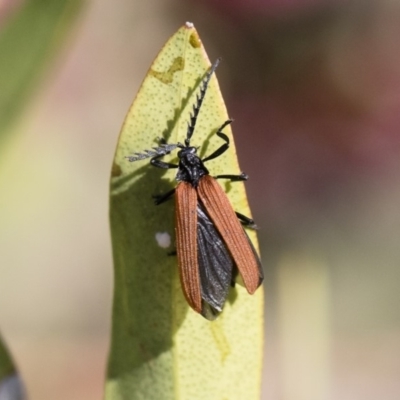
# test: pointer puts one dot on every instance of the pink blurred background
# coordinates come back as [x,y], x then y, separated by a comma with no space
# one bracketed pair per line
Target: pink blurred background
[314,89]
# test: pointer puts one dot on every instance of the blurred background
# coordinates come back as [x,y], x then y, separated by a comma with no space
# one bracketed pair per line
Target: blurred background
[314,88]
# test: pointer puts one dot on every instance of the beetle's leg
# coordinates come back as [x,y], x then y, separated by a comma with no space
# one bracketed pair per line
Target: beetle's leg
[246,221]
[234,178]
[224,147]
[155,162]
[158,199]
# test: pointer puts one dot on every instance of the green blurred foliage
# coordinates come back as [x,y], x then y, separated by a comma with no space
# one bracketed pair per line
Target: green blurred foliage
[28,41]
[6,364]
[30,38]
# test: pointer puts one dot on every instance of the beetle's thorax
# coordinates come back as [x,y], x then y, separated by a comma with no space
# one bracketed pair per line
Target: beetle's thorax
[191,168]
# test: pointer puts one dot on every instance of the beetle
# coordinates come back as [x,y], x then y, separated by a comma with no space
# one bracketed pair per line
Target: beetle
[211,243]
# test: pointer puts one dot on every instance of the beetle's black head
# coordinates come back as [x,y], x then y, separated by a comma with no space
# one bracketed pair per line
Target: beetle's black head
[186,151]
[191,168]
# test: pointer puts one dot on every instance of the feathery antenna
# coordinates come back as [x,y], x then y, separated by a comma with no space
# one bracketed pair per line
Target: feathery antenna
[164,149]
[199,101]
[156,151]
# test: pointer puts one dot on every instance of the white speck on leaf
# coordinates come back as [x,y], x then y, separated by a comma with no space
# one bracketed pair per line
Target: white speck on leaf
[163,240]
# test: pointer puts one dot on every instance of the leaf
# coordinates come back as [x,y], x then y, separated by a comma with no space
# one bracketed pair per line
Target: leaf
[6,364]
[161,349]
[11,386]
[28,41]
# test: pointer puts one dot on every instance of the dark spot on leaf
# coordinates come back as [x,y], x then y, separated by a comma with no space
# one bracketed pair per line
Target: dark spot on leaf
[194,40]
[168,76]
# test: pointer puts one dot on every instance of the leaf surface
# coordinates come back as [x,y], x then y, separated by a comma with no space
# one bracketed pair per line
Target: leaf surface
[162,349]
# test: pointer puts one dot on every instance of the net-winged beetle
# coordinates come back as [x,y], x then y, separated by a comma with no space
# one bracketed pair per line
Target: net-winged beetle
[211,243]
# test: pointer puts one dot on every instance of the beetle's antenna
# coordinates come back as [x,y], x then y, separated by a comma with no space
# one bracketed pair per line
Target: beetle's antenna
[199,101]
[156,151]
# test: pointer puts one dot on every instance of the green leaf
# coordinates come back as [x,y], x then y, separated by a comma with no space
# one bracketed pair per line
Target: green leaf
[162,349]
[28,41]
[6,364]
